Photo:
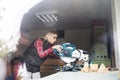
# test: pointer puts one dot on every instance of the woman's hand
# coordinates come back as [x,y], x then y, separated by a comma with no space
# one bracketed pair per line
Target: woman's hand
[57,47]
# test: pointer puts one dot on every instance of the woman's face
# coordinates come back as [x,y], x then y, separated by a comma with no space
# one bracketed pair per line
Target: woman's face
[52,38]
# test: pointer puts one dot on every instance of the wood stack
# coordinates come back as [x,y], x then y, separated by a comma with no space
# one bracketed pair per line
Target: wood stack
[102,68]
[94,68]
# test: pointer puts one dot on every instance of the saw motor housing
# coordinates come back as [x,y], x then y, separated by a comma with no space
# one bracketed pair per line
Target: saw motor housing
[70,54]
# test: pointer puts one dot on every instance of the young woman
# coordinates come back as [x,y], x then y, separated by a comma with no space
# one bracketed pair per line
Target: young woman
[37,53]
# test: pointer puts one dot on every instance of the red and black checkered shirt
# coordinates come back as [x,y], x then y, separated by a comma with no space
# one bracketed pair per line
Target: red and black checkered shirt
[38,44]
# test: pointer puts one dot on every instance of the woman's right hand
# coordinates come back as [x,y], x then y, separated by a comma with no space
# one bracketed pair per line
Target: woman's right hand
[57,47]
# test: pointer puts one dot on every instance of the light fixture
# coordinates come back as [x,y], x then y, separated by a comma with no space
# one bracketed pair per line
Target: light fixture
[48,16]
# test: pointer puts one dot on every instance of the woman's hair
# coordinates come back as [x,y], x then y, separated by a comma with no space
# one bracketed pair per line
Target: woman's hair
[52,32]
[49,33]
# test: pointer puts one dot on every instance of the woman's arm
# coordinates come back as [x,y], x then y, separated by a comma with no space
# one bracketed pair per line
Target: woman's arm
[39,45]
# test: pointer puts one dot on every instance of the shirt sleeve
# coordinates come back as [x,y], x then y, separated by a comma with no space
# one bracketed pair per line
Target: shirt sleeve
[39,46]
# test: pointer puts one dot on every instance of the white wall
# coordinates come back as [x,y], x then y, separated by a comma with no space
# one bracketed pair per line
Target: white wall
[116,29]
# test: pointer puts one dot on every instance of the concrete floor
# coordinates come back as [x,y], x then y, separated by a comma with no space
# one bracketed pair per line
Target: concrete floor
[111,75]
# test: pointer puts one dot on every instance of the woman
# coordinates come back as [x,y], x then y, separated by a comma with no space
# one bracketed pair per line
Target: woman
[37,53]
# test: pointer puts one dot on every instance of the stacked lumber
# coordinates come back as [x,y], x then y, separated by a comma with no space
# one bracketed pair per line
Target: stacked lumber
[94,68]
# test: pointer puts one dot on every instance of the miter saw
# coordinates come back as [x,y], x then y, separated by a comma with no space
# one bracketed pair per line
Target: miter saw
[71,55]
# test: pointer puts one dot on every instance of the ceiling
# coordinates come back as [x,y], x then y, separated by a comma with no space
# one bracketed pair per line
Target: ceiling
[71,14]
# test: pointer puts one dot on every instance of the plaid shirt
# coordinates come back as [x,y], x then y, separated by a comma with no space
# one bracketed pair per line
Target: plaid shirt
[38,44]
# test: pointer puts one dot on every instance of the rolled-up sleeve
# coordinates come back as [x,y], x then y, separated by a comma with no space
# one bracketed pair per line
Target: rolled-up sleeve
[39,46]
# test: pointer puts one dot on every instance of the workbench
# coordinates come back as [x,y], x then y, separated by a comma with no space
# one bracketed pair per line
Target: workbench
[111,75]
